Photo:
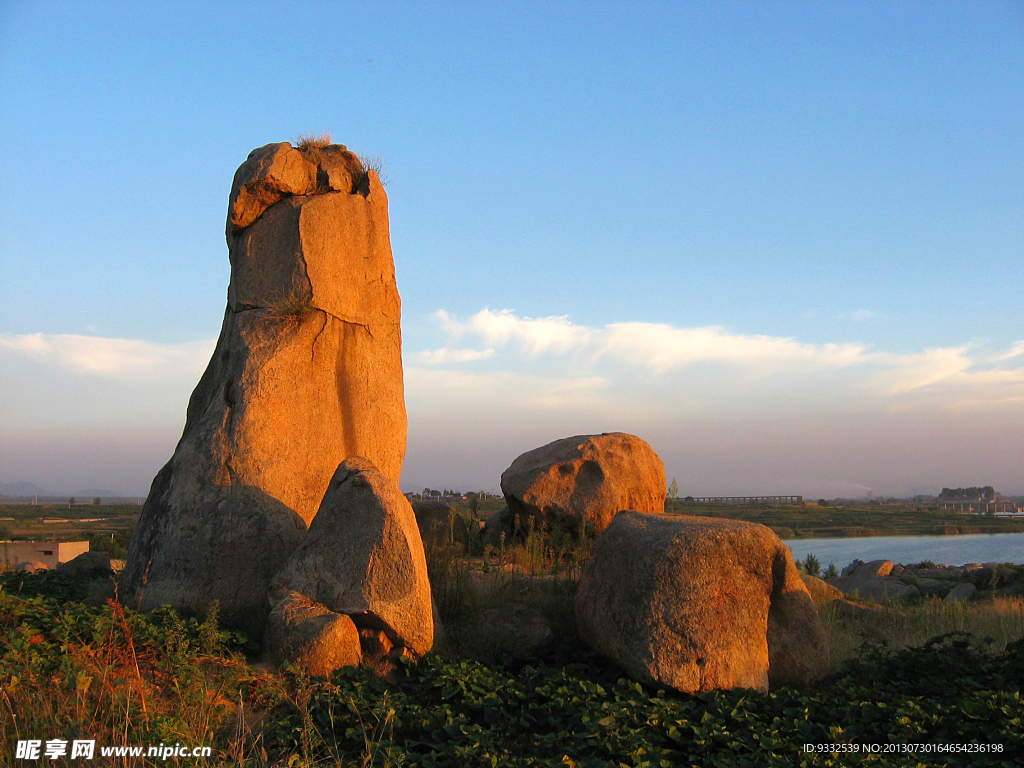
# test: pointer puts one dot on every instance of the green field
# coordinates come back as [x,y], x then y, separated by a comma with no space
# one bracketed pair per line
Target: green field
[107,527]
[794,521]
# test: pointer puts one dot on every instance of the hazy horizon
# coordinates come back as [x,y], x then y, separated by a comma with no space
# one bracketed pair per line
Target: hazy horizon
[782,243]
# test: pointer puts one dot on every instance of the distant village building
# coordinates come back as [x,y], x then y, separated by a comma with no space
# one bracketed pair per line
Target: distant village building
[49,553]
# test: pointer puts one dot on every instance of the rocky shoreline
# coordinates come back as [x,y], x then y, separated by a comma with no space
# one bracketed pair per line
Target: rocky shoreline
[882,580]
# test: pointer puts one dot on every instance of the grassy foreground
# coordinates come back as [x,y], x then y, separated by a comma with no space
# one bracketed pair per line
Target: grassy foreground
[74,667]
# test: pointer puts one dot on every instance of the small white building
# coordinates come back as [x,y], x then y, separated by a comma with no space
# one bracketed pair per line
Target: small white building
[49,553]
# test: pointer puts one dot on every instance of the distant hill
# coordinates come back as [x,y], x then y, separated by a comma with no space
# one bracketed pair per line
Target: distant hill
[22,489]
[30,489]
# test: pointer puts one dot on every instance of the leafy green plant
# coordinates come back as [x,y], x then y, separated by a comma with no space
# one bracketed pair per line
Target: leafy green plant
[123,678]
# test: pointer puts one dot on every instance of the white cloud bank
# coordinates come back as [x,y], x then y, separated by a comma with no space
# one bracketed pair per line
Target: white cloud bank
[728,412]
[119,358]
[664,351]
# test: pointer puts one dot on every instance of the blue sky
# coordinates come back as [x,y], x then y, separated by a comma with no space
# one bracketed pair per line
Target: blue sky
[780,241]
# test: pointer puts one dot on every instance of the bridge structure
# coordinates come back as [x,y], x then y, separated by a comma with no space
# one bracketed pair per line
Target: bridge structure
[744,500]
[980,506]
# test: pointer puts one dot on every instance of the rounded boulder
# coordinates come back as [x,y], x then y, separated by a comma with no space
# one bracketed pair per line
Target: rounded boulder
[585,479]
[699,604]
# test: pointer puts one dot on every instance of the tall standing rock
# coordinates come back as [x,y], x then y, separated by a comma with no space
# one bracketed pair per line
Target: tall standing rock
[307,372]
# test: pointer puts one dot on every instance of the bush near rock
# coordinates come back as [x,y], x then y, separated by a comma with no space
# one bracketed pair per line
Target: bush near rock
[524,630]
[439,525]
[585,479]
[498,529]
[362,558]
[307,372]
[699,604]
[87,565]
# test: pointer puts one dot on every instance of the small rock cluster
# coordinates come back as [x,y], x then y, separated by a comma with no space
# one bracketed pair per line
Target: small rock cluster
[882,580]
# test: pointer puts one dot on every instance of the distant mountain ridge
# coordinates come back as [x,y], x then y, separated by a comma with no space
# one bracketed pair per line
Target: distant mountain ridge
[30,489]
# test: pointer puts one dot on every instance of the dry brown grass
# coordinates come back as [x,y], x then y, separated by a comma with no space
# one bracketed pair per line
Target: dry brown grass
[291,309]
[376,164]
[905,626]
[308,141]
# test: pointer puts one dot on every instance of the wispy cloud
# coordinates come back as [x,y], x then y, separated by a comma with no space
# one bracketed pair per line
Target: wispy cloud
[655,346]
[120,358]
[662,348]
[534,335]
[1015,351]
[573,353]
[445,355]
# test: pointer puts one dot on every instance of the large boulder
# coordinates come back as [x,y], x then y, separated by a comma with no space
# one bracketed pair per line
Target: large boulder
[587,478]
[858,573]
[821,592]
[699,604]
[498,529]
[306,633]
[440,525]
[961,593]
[87,565]
[307,372]
[362,558]
[874,581]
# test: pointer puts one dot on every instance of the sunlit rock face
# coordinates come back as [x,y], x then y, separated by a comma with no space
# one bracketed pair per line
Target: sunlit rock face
[362,559]
[699,604]
[585,479]
[307,372]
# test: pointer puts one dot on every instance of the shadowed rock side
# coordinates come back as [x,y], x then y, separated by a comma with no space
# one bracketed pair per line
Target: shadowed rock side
[699,604]
[587,477]
[307,371]
[361,558]
[440,525]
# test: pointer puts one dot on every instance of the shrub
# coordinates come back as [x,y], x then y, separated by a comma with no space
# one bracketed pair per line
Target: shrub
[812,566]
[115,545]
[376,164]
[292,309]
[310,145]
[308,141]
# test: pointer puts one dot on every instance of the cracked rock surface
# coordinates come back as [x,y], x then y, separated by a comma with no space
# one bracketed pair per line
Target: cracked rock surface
[307,372]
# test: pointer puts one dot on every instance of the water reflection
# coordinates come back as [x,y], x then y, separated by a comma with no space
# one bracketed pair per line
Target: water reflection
[951,550]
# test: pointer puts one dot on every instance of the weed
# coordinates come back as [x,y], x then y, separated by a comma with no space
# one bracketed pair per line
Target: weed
[307,141]
[310,145]
[376,164]
[291,310]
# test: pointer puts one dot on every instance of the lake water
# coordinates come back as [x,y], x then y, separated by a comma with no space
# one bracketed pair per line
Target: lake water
[951,550]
